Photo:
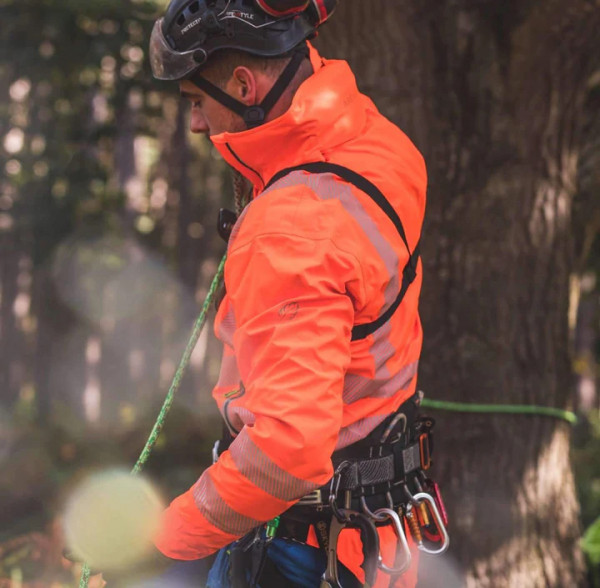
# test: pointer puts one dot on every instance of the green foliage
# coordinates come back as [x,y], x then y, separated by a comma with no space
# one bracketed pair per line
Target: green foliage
[587,467]
[591,542]
[587,473]
[591,547]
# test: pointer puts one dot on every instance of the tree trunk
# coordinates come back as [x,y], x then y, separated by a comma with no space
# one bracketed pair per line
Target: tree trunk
[180,152]
[11,344]
[491,92]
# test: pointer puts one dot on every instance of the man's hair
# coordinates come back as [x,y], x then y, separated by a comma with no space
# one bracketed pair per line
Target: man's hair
[222,64]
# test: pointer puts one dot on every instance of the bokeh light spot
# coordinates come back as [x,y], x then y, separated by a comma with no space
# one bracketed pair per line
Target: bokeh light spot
[13,141]
[6,222]
[111,518]
[144,224]
[13,167]
[195,230]
[41,169]
[47,50]
[20,89]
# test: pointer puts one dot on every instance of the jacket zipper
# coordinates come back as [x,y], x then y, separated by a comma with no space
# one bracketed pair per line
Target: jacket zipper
[244,164]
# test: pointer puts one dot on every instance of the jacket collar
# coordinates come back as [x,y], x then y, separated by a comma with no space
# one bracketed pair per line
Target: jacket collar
[325,112]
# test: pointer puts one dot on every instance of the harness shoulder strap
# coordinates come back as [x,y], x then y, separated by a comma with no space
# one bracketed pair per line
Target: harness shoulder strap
[364,185]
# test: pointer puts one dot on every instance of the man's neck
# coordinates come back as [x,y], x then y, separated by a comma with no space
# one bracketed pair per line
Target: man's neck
[283,104]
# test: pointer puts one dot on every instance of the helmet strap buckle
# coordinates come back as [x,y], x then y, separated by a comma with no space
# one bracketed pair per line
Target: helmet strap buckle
[254,116]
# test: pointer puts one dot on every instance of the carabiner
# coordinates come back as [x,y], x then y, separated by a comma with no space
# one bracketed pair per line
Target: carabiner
[367,511]
[419,498]
[424,515]
[330,577]
[399,417]
[433,489]
[334,487]
[403,548]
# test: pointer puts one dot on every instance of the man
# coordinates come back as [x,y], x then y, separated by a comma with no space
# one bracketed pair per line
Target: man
[319,323]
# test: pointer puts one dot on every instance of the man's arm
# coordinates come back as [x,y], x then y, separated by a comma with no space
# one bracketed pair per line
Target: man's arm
[292,343]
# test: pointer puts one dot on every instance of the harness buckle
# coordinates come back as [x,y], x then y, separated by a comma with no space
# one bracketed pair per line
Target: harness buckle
[315,498]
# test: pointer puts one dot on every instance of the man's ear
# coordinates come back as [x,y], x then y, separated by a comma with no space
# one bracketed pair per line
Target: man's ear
[244,85]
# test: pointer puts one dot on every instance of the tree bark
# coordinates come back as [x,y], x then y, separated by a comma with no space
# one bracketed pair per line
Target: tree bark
[492,94]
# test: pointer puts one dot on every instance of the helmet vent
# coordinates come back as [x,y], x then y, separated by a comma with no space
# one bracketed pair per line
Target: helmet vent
[194,7]
[181,19]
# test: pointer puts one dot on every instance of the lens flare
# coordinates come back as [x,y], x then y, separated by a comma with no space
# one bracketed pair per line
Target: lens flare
[111,519]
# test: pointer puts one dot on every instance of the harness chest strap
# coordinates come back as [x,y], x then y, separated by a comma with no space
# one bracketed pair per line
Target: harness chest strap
[363,184]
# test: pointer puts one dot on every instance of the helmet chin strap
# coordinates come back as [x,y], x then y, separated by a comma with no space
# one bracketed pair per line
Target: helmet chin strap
[254,115]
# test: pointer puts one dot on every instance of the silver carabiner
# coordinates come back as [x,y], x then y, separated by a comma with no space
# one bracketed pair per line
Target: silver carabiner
[372,515]
[399,417]
[334,487]
[402,548]
[330,577]
[423,496]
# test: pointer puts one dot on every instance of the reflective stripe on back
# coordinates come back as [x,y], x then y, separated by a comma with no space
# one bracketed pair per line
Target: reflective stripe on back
[409,273]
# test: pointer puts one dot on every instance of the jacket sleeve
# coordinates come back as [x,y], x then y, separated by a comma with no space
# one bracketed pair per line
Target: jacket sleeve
[294,319]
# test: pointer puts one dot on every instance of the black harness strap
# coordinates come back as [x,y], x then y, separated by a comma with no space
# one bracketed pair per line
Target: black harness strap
[410,270]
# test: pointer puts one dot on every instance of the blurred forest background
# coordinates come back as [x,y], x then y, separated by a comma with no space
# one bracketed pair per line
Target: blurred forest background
[108,245]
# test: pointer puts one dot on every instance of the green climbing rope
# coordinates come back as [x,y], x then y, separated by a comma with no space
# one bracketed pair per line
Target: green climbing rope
[162,415]
[556,413]
[85,576]
[185,360]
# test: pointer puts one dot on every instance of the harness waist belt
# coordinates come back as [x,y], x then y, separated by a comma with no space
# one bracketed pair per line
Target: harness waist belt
[382,471]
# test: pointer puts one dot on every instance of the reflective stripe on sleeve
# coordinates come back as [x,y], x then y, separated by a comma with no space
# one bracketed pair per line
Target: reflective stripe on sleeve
[259,469]
[217,512]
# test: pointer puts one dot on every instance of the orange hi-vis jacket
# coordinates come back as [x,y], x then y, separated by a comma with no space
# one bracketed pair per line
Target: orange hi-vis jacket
[310,257]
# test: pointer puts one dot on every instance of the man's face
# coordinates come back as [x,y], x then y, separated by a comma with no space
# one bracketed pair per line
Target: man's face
[209,116]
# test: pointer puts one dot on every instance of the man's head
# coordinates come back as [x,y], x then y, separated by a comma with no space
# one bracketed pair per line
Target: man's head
[237,61]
